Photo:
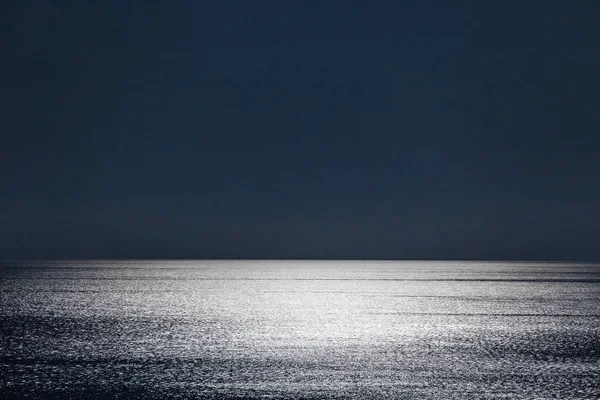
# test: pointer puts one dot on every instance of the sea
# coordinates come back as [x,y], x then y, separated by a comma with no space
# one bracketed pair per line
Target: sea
[235,329]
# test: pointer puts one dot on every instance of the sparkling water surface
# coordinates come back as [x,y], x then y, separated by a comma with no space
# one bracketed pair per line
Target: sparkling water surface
[299,329]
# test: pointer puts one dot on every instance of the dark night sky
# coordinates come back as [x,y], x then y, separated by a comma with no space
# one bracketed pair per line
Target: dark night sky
[300,129]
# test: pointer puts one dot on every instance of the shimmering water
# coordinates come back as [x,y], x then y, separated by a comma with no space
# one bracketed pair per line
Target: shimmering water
[299,329]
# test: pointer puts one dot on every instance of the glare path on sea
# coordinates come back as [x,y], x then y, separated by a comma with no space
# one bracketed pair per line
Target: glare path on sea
[313,329]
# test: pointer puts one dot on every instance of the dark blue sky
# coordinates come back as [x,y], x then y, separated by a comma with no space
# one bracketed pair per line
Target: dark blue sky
[300,129]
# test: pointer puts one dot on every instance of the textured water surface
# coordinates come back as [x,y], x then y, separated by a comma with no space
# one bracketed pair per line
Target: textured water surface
[299,329]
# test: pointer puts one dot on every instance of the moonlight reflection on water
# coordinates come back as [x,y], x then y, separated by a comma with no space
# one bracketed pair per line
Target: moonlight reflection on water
[313,329]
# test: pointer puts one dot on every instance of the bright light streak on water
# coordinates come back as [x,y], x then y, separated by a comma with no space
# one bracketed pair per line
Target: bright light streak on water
[312,329]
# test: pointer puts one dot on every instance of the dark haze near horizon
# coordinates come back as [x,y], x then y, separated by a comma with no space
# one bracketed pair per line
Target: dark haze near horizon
[289,130]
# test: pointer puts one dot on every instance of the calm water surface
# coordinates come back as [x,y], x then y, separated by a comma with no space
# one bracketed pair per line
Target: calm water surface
[299,329]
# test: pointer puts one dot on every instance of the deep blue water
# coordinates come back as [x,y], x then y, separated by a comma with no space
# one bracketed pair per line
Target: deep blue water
[299,329]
